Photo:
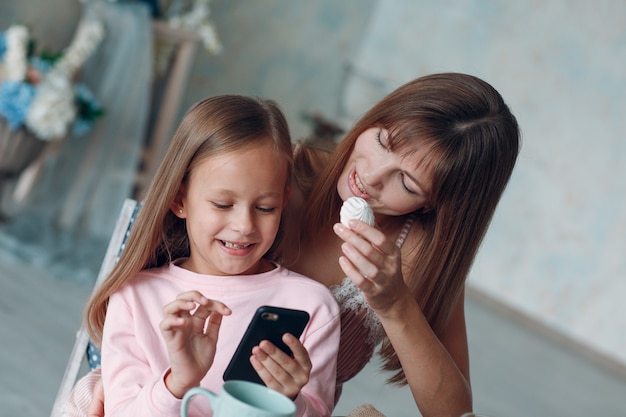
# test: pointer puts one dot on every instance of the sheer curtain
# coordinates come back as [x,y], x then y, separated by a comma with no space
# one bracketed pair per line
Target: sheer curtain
[71,211]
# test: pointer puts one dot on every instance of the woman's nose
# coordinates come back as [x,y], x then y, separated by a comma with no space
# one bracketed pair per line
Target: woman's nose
[374,175]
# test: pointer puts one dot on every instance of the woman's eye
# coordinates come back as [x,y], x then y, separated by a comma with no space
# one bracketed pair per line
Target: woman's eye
[379,139]
[407,189]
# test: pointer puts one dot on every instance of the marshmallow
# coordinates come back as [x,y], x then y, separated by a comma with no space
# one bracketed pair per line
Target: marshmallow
[356,208]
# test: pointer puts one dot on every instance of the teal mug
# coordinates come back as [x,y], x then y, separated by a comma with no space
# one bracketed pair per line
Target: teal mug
[243,399]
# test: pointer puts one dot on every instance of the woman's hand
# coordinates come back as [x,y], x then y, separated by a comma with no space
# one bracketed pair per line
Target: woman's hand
[278,370]
[437,370]
[373,263]
[190,328]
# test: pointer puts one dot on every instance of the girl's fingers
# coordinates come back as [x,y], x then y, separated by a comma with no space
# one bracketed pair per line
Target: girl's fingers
[213,328]
[300,354]
[191,310]
[188,301]
[179,307]
[171,323]
[280,371]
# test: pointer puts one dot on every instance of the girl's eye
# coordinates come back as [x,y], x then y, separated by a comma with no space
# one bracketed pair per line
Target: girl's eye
[221,206]
[266,209]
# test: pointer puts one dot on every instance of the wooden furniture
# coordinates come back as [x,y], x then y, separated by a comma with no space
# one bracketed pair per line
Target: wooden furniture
[167,112]
[77,358]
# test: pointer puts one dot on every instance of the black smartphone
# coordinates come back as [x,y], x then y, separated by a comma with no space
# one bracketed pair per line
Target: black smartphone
[268,323]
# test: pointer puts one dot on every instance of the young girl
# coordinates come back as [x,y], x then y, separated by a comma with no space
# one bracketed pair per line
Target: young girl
[199,262]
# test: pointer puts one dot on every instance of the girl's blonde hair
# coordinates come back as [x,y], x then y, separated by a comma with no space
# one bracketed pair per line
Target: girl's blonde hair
[473,141]
[211,127]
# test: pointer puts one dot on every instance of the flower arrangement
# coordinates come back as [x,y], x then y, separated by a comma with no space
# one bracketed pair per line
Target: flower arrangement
[194,15]
[37,92]
[190,15]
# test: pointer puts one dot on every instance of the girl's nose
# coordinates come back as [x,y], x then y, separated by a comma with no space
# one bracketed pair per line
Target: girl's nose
[243,221]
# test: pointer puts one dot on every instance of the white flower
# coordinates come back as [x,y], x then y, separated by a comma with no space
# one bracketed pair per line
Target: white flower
[88,36]
[15,56]
[209,37]
[52,110]
[197,20]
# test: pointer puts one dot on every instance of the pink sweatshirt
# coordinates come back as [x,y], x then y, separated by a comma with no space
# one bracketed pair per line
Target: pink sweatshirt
[134,356]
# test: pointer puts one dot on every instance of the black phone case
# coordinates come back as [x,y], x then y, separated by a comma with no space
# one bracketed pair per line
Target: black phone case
[268,323]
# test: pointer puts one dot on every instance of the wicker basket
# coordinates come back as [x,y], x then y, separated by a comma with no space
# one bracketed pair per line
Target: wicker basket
[18,149]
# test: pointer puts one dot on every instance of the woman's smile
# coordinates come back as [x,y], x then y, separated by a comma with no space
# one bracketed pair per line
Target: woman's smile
[356,186]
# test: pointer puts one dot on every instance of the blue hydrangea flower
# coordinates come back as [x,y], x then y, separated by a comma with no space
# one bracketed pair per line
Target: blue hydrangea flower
[15,99]
[41,65]
[89,109]
[83,93]
[3,44]
[81,126]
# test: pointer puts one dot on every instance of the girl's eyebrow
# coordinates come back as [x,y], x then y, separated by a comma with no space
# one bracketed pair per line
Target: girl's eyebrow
[223,192]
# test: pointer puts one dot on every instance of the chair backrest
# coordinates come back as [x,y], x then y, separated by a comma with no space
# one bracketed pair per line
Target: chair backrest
[124,224]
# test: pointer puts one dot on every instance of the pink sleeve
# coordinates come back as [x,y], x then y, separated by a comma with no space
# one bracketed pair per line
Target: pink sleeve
[132,388]
[317,398]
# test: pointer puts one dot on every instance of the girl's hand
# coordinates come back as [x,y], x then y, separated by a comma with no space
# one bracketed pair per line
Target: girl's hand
[190,328]
[373,263]
[278,370]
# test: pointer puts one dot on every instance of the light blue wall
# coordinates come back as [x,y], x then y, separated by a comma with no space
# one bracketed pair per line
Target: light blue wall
[557,247]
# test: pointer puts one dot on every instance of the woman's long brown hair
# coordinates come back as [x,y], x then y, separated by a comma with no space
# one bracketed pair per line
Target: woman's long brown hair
[473,141]
[213,126]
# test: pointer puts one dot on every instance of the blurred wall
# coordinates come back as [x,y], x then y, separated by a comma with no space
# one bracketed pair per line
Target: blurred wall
[294,52]
[556,248]
[51,22]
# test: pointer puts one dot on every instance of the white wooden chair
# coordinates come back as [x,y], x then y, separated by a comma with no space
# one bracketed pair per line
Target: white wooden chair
[78,358]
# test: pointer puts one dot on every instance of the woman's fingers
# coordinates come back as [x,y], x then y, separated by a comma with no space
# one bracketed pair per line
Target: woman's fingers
[363,259]
[360,232]
[372,262]
[370,242]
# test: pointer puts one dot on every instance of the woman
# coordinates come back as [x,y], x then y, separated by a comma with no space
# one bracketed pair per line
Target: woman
[433,159]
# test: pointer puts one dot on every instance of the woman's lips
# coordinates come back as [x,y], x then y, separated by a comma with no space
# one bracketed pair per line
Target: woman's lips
[356,187]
